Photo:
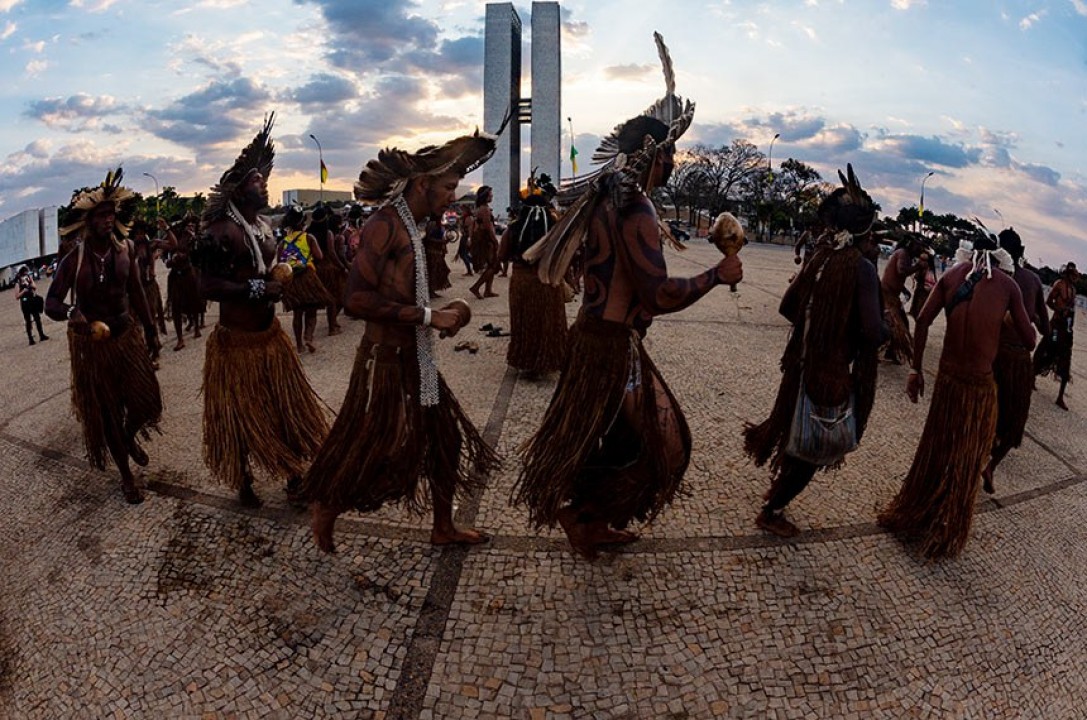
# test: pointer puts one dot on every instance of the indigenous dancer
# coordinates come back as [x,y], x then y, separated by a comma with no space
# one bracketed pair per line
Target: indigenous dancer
[304,294]
[484,244]
[1013,368]
[1055,353]
[31,303]
[146,255]
[331,263]
[351,233]
[400,423]
[115,394]
[437,271]
[466,225]
[258,407]
[614,445]
[182,286]
[830,362]
[936,501]
[904,262]
[537,309]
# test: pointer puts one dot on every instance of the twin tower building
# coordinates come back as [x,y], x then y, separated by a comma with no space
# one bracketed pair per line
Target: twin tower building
[502,93]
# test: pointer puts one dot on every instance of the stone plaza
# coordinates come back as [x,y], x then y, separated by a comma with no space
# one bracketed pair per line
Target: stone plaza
[189,606]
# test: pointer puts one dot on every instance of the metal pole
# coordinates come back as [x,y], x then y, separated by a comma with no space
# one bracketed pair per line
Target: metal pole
[156,192]
[921,203]
[770,177]
[321,159]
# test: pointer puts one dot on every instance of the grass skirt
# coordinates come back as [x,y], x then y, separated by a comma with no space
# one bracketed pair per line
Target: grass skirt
[258,406]
[334,280]
[114,390]
[305,291]
[537,323]
[901,342]
[183,291]
[937,497]
[1054,353]
[585,454]
[437,271]
[153,294]
[384,442]
[1014,375]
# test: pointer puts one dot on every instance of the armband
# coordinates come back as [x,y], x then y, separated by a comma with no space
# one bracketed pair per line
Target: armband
[71,309]
[427,312]
[256,289]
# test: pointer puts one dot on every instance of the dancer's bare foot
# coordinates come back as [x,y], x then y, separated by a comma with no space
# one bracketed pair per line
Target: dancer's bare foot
[776,524]
[576,534]
[489,294]
[311,347]
[334,330]
[987,476]
[605,535]
[1060,404]
[475,291]
[196,333]
[247,497]
[455,536]
[132,494]
[180,345]
[322,522]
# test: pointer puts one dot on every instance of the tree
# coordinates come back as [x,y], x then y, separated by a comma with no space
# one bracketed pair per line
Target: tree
[795,194]
[720,171]
[679,187]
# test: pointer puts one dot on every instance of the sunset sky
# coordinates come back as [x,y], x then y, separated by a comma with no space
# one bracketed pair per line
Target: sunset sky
[991,96]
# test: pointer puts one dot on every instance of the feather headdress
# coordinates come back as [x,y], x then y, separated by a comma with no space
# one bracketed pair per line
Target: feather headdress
[849,209]
[387,175]
[617,178]
[111,191]
[258,156]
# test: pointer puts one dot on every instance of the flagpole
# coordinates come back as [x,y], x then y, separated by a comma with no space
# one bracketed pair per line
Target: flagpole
[573,150]
[320,170]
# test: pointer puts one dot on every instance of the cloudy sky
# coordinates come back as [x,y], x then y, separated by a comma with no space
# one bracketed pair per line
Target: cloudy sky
[991,96]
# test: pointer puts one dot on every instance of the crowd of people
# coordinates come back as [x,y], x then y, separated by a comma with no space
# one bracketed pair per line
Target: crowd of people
[613,446]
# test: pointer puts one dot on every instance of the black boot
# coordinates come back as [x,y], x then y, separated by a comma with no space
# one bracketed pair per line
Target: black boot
[31,337]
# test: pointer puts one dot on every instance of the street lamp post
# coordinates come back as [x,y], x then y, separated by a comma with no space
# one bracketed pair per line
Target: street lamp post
[321,159]
[921,203]
[156,192]
[770,177]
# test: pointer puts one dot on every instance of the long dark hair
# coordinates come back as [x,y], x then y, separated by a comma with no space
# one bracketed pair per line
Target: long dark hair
[534,219]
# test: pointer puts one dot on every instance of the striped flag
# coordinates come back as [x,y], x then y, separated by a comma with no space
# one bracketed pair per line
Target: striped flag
[324,173]
[573,157]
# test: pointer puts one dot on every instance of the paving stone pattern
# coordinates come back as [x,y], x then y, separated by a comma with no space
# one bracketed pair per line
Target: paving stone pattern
[190,607]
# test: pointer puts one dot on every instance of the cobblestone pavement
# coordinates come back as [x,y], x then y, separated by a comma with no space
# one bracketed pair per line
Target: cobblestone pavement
[189,607]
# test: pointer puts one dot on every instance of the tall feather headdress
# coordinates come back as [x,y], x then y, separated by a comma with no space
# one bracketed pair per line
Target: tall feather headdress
[258,155]
[617,178]
[849,209]
[387,175]
[111,191]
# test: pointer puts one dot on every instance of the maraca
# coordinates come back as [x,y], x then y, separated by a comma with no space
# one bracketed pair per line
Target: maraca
[463,310]
[281,273]
[99,330]
[728,235]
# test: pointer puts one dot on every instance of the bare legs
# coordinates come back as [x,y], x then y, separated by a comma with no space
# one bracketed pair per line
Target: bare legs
[486,280]
[1060,394]
[793,477]
[119,448]
[444,531]
[304,324]
[584,529]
